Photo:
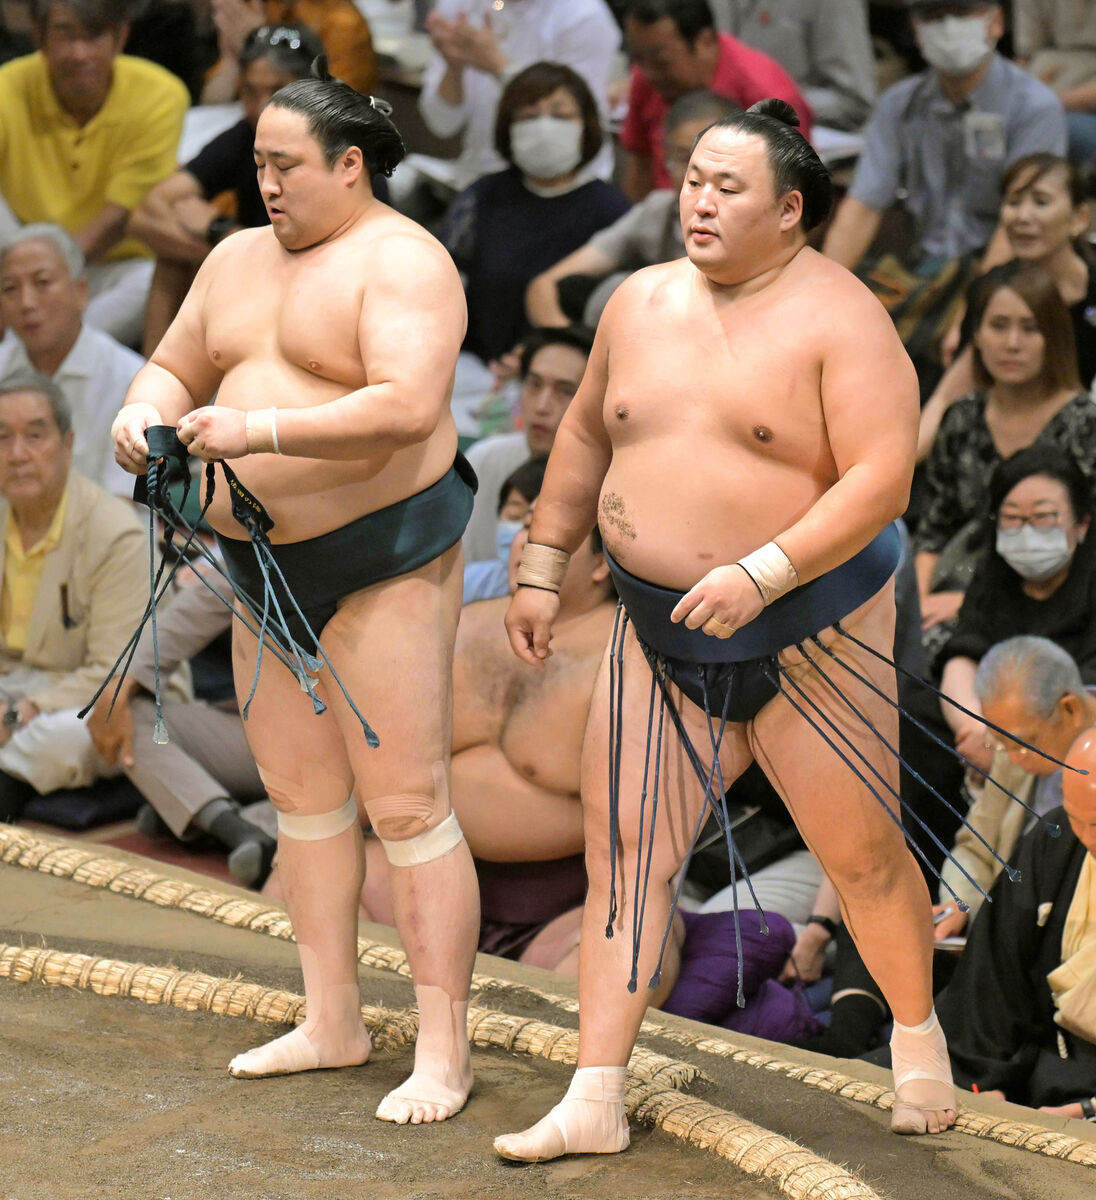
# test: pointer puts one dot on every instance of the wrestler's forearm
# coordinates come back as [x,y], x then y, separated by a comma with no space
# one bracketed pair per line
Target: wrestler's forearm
[566,510]
[158,386]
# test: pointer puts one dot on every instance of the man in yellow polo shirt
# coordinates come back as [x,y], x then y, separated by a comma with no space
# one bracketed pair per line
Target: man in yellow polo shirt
[85,132]
[73,582]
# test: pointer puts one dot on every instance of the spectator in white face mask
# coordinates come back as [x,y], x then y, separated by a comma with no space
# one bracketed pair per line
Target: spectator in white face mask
[942,141]
[509,227]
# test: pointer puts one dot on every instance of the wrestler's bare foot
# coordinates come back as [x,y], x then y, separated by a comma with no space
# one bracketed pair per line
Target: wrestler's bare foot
[442,1078]
[588,1120]
[924,1096]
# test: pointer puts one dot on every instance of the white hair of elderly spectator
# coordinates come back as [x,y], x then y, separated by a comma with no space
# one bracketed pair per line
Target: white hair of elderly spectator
[41,231]
[32,381]
[1041,671]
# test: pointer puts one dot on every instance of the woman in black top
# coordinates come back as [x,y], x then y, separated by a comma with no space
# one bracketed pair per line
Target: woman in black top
[1037,578]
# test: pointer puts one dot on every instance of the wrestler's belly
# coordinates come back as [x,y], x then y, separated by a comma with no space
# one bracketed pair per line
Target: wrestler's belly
[671,512]
[307,497]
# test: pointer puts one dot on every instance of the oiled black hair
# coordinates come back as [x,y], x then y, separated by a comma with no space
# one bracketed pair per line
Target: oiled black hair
[794,164]
[339,117]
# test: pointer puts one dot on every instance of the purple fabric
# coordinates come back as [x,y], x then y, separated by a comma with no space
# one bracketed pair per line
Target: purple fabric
[707,985]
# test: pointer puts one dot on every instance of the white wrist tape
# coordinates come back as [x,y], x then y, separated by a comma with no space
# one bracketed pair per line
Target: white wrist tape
[261,431]
[542,567]
[772,571]
[425,847]
[314,826]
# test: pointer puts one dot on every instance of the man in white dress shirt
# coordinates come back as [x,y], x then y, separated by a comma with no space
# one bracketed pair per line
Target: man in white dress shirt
[43,294]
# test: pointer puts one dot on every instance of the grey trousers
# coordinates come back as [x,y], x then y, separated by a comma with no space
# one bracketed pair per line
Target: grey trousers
[207,757]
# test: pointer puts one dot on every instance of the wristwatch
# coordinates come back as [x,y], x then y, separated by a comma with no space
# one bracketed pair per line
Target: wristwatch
[829,925]
[11,717]
[221,226]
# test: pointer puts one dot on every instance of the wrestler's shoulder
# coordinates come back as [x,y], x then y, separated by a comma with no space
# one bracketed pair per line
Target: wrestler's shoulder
[389,240]
[650,287]
[818,287]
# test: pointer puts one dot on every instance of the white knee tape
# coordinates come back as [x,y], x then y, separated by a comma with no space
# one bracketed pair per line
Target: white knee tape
[425,847]
[315,826]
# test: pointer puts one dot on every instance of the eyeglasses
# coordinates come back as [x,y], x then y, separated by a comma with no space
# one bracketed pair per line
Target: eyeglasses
[275,35]
[1039,520]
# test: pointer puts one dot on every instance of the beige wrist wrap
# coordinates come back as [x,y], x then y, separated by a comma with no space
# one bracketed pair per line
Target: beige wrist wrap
[771,570]
[542,567]
[261,431]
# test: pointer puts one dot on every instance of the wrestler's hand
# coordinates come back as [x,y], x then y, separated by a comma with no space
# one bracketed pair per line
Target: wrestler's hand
[214,433]
[128,432]
[529,624]
[113,736]
[952,920]
[727,597]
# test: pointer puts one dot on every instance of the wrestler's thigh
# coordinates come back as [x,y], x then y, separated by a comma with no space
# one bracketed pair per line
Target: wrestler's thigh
[392,646]
[680,792]
[840,818]
[300,755]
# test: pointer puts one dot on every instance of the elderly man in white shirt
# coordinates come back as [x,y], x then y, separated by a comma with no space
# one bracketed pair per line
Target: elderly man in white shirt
[43,294]
[478,46]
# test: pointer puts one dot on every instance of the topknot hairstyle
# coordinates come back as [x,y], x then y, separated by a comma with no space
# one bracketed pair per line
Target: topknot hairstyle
[339,117]
[794,164]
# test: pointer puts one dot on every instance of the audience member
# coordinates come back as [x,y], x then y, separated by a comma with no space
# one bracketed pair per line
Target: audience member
[179,219]
[675,49]
[195,782]
[1020,1010]
[508,227]
[1038,576]
[1025,368]
[648,233]
[1044,216]
[823,44]
[84,133]
[551,368]
[341,28]
[43,298]
[167,32]
[941,140]
[1032,687]
[1056,41]
[75,577]
[478,49]
[488,578]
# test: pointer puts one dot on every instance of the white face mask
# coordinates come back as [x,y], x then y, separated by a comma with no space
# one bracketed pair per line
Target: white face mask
[504,537]
[955,45]
[1034,554]
[546,147]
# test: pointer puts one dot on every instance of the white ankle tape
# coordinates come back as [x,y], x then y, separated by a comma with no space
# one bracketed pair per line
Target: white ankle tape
[425,847]
[315,826]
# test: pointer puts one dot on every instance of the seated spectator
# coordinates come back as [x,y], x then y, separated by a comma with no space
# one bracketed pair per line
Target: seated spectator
[823,44]
[1038,577]
[43,298]
[75,578]
[478,49]
[84,133]
[341,28]
[1056,42]
[941,140]
[507,228]
[1025,366]
[1044,217]
[1031,686]
[490,578]
[179,219]
[551,368]
[647,234]
[1019,1010]
[675,49]
[194,783]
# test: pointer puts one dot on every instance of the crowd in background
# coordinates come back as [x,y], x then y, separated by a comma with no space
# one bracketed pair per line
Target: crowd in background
[548,141]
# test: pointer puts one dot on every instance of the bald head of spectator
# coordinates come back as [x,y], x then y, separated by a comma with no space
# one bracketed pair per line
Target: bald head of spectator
[674,43]
[80,40]
[43,293]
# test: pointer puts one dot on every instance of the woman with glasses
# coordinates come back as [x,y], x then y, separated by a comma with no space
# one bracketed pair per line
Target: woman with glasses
[1038,577]
[1027,392]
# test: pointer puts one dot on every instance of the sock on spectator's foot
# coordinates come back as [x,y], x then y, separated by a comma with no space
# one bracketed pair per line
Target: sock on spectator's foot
[249,864]
[152,825]
[588,1120]
[15,795]
[924,1095]
[855,1021]
[251,850]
